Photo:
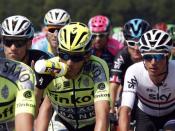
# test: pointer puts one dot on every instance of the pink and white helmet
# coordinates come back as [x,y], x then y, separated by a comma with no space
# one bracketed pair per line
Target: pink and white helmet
[99,24]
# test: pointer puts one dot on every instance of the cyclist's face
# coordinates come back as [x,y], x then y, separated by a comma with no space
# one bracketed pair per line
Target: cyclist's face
[74,62]
[100,40]
[133,50]
[16,49]
[51,36]
[156,64]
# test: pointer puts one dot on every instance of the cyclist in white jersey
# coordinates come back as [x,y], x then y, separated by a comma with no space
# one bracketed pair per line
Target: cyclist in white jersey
[152,81]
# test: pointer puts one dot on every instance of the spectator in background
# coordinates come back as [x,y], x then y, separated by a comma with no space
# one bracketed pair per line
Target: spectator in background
[53,21]
[104,46]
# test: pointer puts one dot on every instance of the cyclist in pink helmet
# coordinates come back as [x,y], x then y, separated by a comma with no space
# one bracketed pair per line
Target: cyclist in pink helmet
[99,24]
[104,46]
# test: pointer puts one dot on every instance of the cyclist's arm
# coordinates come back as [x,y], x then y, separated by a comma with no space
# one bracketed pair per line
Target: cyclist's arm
[25,110]
[102,112]
[115,89]
[128,98]
[24,122]
[44,116]
[39,95]
[124,118]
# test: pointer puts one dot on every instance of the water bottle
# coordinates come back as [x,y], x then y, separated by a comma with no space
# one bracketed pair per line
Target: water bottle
[50,67]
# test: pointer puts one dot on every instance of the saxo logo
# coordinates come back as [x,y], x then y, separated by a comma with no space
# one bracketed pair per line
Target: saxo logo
[132,83]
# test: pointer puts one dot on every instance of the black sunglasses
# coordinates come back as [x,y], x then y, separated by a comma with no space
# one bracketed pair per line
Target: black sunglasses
[100,35]
[16,43]
[52,30]
[66,56]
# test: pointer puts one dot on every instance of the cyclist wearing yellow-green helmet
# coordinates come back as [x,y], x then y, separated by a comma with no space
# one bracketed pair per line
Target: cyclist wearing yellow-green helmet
[81,96]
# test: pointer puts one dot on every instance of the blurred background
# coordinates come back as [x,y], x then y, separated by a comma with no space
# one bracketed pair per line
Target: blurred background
[119,11]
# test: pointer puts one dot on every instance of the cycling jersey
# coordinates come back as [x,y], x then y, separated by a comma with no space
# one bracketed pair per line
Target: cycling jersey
[121,62]
[73,99]
[33,55]
[17,82]
[41,42]
[113,47]
[153,100]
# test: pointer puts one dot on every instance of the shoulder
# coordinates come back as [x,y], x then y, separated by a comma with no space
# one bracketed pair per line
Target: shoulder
[98,61]
[17,72]
[38,54]
[96,67]
[136,68]
[114,46]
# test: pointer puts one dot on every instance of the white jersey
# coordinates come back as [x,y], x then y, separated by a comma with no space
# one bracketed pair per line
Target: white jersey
[153,100]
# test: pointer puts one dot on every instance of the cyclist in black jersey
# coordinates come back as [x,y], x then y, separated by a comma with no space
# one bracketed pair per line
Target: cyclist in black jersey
[81,96]
[17,41]
[132,30]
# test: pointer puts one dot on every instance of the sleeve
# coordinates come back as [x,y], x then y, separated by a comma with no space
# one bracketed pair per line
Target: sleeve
[130,87]
[101,87]
[25,98]
[116,73]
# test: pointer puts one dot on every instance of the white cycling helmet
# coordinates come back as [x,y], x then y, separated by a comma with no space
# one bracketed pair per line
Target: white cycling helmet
[17,26]
[57,17]
[155,40]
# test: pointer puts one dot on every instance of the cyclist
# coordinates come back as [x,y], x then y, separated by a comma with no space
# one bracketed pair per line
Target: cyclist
[17,34]
[54,19]
[132,30]
[104,46]
[152,81]
[17,96]
[81,96]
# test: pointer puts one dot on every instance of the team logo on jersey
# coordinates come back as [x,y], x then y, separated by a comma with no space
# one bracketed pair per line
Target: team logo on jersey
[41,81]
[132,83]
[5,92]
[118,62]
[27,94]
[101,86]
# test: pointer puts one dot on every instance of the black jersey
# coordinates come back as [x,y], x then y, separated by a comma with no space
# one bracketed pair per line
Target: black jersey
[121,62]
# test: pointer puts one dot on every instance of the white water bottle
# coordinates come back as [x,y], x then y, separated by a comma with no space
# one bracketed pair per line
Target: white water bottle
[50,67]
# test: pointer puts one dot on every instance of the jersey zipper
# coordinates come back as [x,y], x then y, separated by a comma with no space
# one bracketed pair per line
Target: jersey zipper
[75,106]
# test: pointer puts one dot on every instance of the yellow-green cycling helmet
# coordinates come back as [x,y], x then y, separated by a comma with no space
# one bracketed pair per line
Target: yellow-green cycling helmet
[74,38]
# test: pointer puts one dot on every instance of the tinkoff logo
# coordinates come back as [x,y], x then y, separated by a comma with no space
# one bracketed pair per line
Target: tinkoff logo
[27,94]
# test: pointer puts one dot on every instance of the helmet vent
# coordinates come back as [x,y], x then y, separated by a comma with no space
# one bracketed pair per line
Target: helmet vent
[82,35]
[62,16]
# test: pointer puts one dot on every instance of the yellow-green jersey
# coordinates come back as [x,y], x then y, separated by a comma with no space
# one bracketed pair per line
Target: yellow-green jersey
[74,99]
[17,82]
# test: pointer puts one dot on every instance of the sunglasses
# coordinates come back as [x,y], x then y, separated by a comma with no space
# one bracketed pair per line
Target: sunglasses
[132,43]
[74,58]
[16,43]
[156,57]
[100,35]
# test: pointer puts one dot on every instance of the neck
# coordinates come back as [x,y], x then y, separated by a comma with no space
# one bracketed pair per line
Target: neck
[159,79]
